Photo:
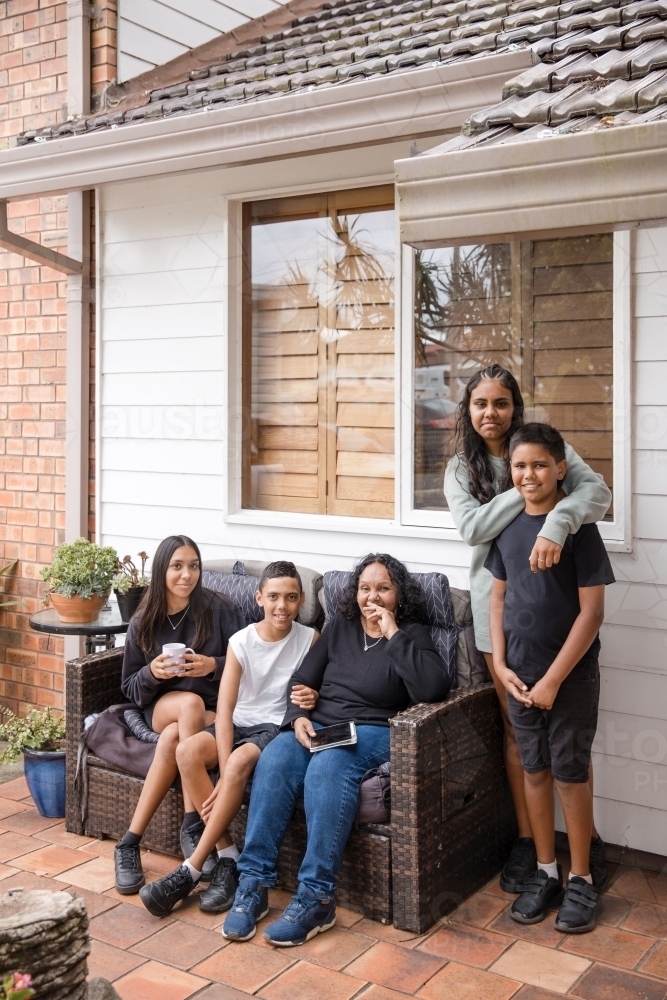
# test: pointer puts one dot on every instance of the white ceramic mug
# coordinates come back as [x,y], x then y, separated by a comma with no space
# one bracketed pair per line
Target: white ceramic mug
[176,652]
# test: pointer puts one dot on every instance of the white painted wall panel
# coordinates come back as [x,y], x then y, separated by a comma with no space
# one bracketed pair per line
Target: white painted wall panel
[651,381]
[646,563]
[633,693]
[179,285]
[651,472]
[650,516]
[651,426]
[639,605]
[165,489]
[162,321]
[623,646]
[651,339]
[150,256]
[178,389]
[185,354]
[163,423]
[147,455]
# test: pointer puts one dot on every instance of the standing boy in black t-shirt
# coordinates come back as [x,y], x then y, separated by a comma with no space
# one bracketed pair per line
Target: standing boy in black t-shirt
[544,635]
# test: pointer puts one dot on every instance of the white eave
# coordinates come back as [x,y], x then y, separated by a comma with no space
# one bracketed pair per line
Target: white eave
[613,178]
[428,101]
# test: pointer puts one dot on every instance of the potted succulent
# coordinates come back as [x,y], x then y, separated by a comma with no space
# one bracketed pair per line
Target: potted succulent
[129,585]
[40,737]
[79,581]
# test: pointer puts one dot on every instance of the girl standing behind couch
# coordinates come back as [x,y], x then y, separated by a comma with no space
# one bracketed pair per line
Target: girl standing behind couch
[176,608]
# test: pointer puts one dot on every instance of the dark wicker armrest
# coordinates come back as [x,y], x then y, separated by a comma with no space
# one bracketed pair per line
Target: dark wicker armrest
[92,684]
[447,771]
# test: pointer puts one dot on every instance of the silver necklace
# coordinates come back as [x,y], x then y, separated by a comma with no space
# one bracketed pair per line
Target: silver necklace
[178,623]
[370,645]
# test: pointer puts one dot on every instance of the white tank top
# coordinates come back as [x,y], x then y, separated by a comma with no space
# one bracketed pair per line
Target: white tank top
[266,668]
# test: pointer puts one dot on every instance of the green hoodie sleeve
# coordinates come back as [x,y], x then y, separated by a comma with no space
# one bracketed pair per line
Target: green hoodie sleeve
[478,523]
[587,501]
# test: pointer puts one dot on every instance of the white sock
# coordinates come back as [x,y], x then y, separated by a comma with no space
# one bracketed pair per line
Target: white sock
[586,878]
[230,852]
[551,869]
[193,871]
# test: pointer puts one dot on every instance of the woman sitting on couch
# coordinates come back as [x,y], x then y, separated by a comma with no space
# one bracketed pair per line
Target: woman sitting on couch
[176,609]
[373,659]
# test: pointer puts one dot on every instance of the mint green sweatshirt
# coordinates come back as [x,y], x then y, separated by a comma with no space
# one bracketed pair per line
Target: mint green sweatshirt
[587,501]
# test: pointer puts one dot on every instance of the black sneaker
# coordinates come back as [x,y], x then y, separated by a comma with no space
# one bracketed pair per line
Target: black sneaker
[189,839]
[129,873]
[580,908]
[220,894]
[598,868]
[520,865]
[539,892]
[161,896]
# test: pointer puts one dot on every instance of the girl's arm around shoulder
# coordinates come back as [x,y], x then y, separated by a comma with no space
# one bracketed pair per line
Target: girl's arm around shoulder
[478,523]
[418,663]
[587,501]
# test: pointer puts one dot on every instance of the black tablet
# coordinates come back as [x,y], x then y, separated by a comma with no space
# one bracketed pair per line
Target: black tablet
[341,735]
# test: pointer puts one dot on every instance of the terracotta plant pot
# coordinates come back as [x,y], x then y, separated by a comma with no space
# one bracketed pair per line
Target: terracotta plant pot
[77,610]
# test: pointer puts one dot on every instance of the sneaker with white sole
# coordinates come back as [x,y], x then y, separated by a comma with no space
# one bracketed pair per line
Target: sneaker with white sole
[306,916]
[251,903]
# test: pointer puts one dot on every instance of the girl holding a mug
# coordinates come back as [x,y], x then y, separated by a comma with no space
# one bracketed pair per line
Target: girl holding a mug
[177,689]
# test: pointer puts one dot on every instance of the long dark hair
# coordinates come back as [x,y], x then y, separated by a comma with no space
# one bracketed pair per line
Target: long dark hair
[152,611]
[479,468]
[411,599]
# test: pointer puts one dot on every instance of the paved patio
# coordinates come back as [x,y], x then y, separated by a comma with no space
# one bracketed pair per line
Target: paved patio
[477,953]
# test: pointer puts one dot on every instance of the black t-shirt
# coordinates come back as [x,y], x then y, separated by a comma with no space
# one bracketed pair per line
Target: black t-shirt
[541,608]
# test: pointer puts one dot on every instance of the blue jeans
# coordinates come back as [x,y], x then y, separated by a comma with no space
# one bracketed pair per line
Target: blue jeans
[329,781]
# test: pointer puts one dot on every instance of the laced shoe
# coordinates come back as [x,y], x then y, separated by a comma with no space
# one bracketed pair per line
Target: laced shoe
[161,896]
[520,865]
[580,908]
[220,894]
[597,865]
[189,839]
[306,916]
[129,873]
[251,903]
[538,893]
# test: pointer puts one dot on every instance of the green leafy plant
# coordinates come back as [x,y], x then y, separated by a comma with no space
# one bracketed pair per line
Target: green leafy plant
[37,731]
[128,575]
[81,569]
[16,986]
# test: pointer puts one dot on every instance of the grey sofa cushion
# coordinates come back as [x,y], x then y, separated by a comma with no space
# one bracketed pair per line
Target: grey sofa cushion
[310,578]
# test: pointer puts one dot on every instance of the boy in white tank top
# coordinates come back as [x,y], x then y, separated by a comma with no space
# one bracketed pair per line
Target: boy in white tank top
[261,659]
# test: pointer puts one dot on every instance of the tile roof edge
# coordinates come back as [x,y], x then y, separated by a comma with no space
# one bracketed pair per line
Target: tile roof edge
[136,92]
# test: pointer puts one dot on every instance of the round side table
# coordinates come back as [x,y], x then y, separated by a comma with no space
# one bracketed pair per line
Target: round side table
[100,634]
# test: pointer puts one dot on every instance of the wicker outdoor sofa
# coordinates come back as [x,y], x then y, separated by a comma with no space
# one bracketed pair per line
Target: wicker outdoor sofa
[451,823]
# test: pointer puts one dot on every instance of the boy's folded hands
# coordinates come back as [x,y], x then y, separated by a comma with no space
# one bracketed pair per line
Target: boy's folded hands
[541,695]
[513,684]
[304,697]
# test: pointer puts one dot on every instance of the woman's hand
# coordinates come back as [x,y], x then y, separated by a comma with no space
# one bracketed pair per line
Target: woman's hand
[157,667]
[207,807]
[383,617]
[545,554]
[304,697]
[197,665]
[303,730]
[513,684]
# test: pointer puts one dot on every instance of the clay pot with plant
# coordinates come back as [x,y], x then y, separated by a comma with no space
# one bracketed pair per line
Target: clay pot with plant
[130,584]
[79,580]
[40,737]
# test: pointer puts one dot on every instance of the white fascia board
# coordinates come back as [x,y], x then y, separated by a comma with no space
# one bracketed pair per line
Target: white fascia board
[381,109]
[579,183]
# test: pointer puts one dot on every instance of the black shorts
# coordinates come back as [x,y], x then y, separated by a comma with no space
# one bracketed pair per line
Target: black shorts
[561,737]
[260,735]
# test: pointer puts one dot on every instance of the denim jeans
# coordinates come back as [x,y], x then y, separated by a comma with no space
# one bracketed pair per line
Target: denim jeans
[329,781]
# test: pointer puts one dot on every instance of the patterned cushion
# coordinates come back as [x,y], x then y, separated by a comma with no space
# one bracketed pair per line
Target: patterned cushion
[442,623]
[239,589]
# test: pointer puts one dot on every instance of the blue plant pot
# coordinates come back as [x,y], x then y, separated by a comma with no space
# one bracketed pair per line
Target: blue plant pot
[45,775]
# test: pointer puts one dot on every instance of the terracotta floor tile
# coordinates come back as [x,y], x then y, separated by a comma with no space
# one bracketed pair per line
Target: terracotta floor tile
[608,944]
[188,911]
[493,888]
[656,963]
[156,862]
[470,945]
[461,982]
[530,963]
[335,949]
[245,966]
[615,909]
[543,933]
[109,962]
[58,835]
[375,992]
[279,898]
[387,932]
[28,821]
[311,981]
[605,983]
[9,807]
[6,871]
[180,944]
[133,900]
[633,883]
[16,789]
[96,875]
[28,880]
[49,860]
[13,845]
[95,902]
[125,926]
[217,991]
[394,966]
[346,917]
[535,993]
[479,910]
[99,848]
[644,918]
[153,981]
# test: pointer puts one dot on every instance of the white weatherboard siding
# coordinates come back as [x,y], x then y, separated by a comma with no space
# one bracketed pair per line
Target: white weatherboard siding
[151,32]
[169,373]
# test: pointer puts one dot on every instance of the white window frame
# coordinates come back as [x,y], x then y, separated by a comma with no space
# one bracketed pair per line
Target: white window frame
[617,534]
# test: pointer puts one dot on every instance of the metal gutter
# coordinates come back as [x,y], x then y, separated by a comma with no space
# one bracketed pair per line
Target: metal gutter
[380,109]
